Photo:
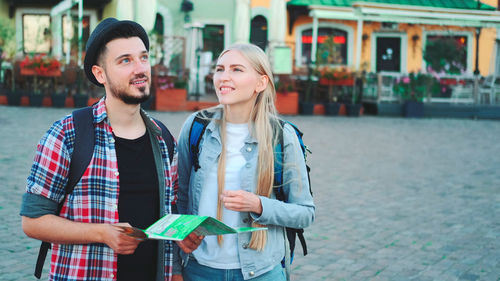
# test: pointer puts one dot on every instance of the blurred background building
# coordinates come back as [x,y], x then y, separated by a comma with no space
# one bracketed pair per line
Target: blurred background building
[449,39]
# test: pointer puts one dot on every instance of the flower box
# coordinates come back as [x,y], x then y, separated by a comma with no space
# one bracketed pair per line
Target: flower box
[48,73]
[287,103]
[171,99]
[335,82]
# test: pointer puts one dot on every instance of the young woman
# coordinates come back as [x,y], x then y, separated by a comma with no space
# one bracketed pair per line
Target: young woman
[234,180]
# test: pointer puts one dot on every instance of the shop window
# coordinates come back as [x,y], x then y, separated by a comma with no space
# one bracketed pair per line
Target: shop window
[70,33]
[258,32]
[446,53]
[331,47]
[213,39]
[36,33]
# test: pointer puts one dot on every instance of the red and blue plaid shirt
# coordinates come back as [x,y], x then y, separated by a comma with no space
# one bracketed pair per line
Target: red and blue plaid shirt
[95,197]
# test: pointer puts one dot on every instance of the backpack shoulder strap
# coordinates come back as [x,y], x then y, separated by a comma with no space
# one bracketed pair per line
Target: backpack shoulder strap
[200,123]
[169,139]
[278,165]
[83,148]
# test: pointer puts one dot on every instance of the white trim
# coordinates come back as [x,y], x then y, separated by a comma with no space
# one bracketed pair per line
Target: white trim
[168,22]
[403,51]
[301,28]
[468,55]
[259,11]
[225,23]
[408,14]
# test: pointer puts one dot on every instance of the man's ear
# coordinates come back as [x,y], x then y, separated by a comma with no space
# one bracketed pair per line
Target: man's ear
[262,83]
[99,74]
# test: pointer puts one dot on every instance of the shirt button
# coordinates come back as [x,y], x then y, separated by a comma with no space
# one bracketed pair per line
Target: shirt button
[249,149]
[112,275]
[247,165]
[112,140]
[252,273]
[117,173]
[245,246]
[115,207]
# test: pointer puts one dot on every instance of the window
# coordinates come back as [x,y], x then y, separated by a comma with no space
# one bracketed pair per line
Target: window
[70,32]
[446,53]
[213,39]
[258,32]
[36,33]
[331,49]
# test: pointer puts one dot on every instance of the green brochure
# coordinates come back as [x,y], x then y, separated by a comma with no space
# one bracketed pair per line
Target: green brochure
[178,227]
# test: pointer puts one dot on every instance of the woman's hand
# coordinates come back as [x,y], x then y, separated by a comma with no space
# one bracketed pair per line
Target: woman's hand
[241,201]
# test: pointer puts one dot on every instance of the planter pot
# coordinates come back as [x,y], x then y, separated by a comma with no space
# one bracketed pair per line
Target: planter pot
[413,109]
[287,103]
[332,108]
[340,82]
[306,108]
[171,99]
[80,100]
[36,99]
[58,100]
[389,109]
[13,97]
[353,109]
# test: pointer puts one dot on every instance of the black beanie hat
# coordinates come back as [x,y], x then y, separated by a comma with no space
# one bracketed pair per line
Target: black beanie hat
[102,34]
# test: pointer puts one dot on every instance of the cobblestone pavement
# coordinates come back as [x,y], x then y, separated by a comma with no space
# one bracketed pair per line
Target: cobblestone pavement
[397,199]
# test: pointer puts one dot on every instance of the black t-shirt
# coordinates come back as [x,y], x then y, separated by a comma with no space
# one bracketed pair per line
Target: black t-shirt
[138,204]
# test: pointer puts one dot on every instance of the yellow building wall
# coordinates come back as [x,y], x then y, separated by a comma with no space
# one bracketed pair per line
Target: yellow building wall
[260,3]
[414,59]
[110,9]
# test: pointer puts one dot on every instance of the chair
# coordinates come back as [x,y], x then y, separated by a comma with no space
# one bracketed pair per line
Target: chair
[489,89]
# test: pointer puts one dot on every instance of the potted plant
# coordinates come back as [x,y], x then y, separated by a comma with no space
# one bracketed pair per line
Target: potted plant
[41,68]
[287,97]
[7,52]
[339,82]
[412,89]
[170,91]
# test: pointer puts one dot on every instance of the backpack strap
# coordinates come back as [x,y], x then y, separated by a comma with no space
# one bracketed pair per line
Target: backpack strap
[169,139]
[200,123]
[83,147]
[291,233]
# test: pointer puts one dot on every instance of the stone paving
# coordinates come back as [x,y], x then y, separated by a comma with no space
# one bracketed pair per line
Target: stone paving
[397,199]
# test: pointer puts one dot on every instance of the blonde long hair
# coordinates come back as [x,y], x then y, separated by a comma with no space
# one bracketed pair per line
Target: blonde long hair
[264,123]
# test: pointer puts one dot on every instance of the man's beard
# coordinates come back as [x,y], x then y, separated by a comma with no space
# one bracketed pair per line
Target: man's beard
[123,94]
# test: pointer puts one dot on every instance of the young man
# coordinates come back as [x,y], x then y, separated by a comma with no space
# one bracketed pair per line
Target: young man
[129,181]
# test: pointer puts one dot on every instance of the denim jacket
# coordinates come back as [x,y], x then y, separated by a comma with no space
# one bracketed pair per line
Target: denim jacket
[297,212]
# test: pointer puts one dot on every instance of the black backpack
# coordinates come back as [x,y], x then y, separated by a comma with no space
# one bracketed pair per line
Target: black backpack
[197,130]
[80,159]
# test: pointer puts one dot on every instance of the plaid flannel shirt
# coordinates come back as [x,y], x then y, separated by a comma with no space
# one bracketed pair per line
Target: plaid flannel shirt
[95,197]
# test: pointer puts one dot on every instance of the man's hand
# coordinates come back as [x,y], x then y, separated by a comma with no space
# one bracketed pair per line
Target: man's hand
[116,239]
[241,201]
[190,243]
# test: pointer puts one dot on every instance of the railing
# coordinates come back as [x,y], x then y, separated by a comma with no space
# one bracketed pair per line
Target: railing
[465,89]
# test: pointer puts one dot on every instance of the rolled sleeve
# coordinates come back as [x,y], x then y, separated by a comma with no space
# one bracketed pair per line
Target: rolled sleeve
[35,206]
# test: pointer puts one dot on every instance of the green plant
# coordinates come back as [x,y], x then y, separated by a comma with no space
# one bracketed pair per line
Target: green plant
[329,52]
[7,49]
[414,86]
[445,54]
[284,83]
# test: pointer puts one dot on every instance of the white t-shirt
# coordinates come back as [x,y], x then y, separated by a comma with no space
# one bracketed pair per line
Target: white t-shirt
[209,253]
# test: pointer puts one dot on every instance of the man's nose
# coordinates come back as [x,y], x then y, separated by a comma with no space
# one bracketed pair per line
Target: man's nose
[141,66]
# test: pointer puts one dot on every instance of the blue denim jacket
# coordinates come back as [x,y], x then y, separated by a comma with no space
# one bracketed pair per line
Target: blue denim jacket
[298,212]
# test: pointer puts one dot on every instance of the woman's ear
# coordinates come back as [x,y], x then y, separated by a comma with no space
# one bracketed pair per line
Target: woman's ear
[99,74]
[262,83]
